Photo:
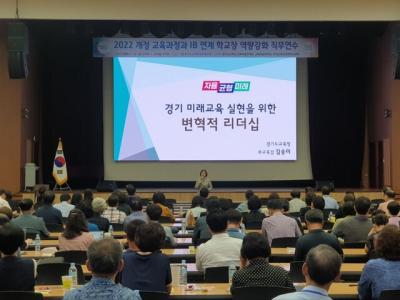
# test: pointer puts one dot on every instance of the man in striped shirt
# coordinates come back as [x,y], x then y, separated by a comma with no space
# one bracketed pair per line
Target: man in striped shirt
[112,213]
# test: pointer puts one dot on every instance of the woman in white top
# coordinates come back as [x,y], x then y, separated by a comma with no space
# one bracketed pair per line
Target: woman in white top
[203,181]
[197,209]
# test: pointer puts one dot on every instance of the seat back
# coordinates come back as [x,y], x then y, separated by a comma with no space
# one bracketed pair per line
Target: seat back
[390,295]
[295,214]
[216,275]
[55,227]
[146,295]
[259,293]
[117,226]
[50,274]
[254,225]
[284,242]
[295,272]
[165,220]
[78,257]
[12,295]
[357,245]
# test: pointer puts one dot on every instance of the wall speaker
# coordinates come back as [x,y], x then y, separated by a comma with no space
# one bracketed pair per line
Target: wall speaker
[18,49]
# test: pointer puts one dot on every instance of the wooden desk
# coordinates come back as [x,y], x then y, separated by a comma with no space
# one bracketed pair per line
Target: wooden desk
[214,290]
[181,242]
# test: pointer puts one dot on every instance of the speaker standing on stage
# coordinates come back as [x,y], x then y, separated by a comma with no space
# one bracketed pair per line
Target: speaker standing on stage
[203,181]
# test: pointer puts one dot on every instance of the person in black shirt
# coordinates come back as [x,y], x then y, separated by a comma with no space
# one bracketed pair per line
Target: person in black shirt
[16,274]
[255,270]
[99,205]
[316,236]
[47,212]
[308,199]
[253,219]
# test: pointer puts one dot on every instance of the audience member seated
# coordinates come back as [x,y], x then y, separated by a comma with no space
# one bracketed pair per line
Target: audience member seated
[355,228]
[308,200]
[201,231]
[295,204]
[47,212]
[29,222]
[65,205]
[330,202]
[393,211]
[99,205]
[389,197]
[234,222]
[86,204]
[147,269]
[316,236]
[255,271]
[379,221]
[76,235]
[6,211]
[111,213]
[196,209]
[278,225]
[160,200]
[321,268]
[318,202]
[137,214]
[285,210]
[105,262]
[154,212]
[39,196]
[3,201]
[123,203]
[222,250]
[131,229]
[17,274]
[76,199]
[348,197]
[244,206]
[14,204]
[347,211]
[382,273]
[254,217]
[204,193]
[132,196]
[225,204]
[4,219]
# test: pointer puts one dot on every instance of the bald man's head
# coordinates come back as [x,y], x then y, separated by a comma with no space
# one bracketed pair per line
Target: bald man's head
[323,264]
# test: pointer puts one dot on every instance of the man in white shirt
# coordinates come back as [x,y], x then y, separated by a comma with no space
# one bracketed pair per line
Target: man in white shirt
[3,201]
[321,268]
[295,204]
[65,205]
[330,202]
[221,250]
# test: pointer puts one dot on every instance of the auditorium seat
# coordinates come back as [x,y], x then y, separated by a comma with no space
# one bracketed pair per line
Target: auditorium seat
[390,295]
[216,275]
[295,272]
[259,293]
[145,295]
[50,274]
[284,242]
[78,257]
[117,226]
[55,227]
[10,295]
[354,245]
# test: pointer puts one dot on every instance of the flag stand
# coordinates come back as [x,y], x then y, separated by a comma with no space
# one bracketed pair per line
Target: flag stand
[63,187]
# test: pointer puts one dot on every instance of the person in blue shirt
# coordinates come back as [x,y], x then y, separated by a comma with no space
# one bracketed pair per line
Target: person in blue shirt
[234,222]
[382,273]
[321,268]
[330,202]
[104,261]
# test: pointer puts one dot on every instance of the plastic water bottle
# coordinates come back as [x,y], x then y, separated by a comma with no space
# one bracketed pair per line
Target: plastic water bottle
[73,272]
[183,273]
[232,270]
[184,227]
[331,217]
[111,230]
[37,242]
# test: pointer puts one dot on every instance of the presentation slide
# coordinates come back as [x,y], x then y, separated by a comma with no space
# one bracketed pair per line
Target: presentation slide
[204,109]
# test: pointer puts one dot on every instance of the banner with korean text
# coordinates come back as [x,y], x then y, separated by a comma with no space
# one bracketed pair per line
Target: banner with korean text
[202,47]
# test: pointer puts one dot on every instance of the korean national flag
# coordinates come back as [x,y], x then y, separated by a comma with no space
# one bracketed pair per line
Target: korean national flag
[60,166]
